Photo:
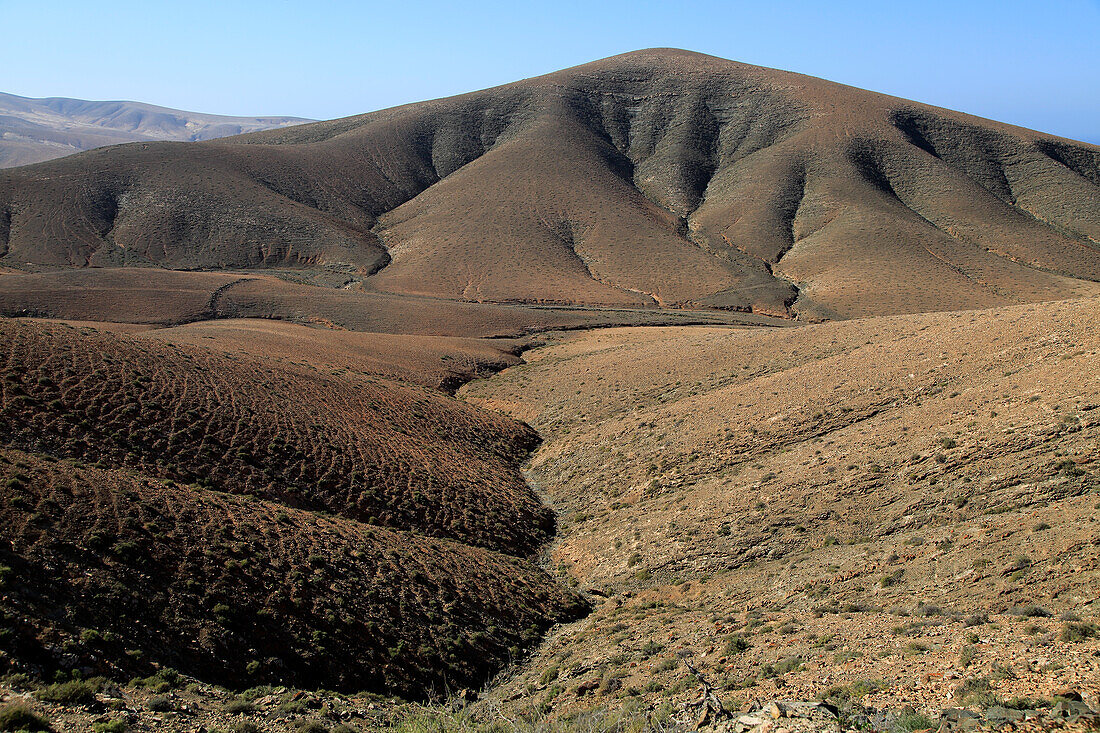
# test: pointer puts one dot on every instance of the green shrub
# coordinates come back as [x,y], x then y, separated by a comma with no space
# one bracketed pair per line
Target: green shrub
[111,726]
[977,692]
[736,645]
[164,680]
[855,691]
[238,707]
[1027,703]
[911,722]
[73,692]
[16,717]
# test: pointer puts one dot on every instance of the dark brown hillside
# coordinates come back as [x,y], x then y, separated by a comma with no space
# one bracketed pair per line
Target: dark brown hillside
[120,573]
[371,449]
[658,177]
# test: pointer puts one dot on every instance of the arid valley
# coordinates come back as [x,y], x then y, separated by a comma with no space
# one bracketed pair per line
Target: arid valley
[662,392]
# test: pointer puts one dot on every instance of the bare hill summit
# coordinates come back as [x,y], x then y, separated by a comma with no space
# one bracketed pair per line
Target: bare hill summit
[658,177]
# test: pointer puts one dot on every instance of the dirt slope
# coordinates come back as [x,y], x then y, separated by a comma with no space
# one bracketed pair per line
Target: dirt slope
[891,510]
[655,177]
[364,447]
[169,298]
[249,518]
[125,572]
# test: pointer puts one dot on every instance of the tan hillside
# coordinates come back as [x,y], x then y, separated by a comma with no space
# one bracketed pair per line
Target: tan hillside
[656,177]
[886,508]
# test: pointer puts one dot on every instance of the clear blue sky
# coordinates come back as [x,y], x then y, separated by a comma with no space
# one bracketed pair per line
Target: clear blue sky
[1035,64]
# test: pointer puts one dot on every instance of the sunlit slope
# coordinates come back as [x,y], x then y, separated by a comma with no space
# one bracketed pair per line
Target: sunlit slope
[655,177]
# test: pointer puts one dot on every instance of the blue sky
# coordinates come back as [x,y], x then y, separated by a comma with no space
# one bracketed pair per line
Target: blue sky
[1028,63]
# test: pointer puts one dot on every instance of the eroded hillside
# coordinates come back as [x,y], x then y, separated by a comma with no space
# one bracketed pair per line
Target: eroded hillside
[659,177]
[893,511]
[249,519]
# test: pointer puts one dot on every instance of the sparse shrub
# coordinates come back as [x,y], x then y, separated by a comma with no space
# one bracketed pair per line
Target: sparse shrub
[238,707]
[73,692]
[1026,703]
[110,726]
[21,681]
[736,645]
[159,704]
[1079,631]
[911,722]
[892,579]
[782,667]
[855,691]
[311,726]
[19,717]
[1031,611]
[976,692]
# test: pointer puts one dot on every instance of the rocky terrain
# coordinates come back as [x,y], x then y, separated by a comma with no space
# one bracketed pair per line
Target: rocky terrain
[659,393]
[896,511]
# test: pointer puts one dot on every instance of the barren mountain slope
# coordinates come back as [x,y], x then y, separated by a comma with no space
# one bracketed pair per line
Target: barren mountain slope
[892,511]
[247,514]
[127,573]
[35,130]
[659,176]
[352,444]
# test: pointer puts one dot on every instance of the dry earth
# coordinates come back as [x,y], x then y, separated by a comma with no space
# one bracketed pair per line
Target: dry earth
[898,510]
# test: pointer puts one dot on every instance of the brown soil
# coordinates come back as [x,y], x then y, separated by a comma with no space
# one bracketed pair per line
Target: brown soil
[244,518]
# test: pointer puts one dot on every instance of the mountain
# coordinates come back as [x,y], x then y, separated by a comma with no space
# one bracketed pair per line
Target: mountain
[34,130]
[654,178]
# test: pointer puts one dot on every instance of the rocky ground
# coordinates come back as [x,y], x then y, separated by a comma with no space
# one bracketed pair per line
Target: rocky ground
[887,524]
[899,512]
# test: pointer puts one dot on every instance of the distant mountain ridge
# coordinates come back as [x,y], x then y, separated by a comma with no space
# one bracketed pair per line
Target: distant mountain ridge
[35,130]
